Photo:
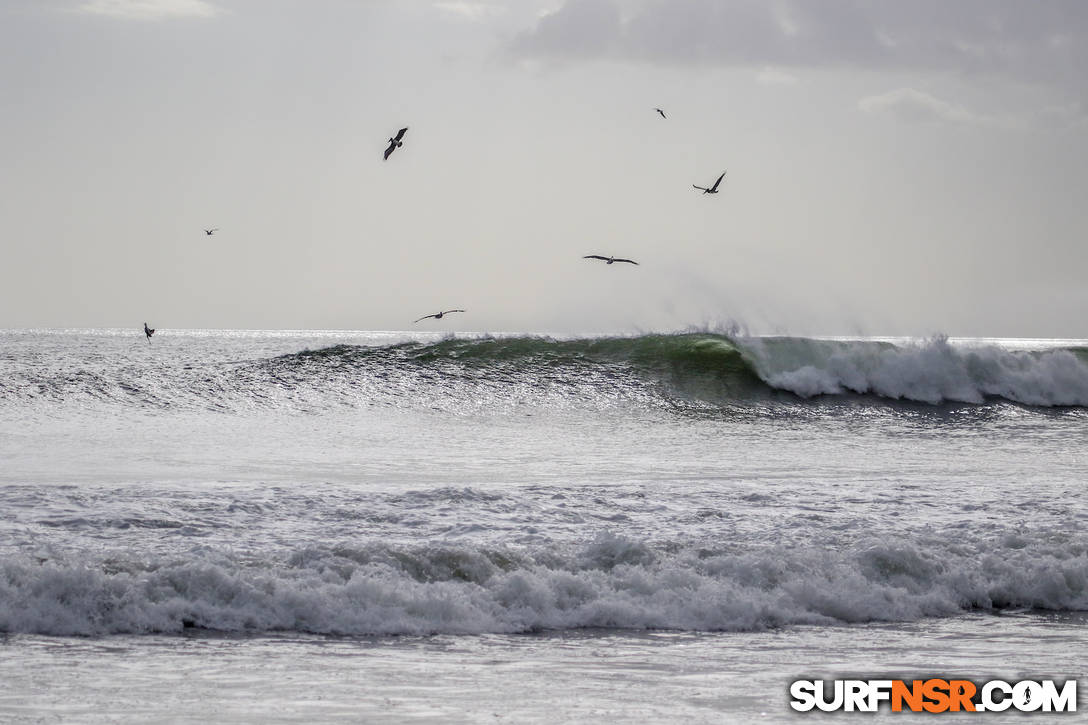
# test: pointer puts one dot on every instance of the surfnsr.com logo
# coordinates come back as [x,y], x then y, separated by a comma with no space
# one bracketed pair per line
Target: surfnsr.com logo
[934,695]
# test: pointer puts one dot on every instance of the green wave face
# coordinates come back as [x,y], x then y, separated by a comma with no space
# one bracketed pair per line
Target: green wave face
[694,366]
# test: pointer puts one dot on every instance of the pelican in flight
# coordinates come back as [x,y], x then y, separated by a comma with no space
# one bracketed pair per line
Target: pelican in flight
[661,112]
[713,189]
[210,232]
[149,331]
[437,315]
[395,141]
[609,260]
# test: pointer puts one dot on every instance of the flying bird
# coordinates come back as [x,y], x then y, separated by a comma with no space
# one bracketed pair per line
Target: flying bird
[210,232]
[609,260]
[149,331]
[713,189]
[661,112]
[395,141]
[437,315]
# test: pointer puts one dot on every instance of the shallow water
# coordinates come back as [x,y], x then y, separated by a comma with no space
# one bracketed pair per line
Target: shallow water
[568,676]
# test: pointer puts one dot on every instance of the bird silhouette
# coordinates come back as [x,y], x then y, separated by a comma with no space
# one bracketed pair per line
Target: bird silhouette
[395,141]
[210,232]
[437,315]
[609,260]
[149,331]
[713,189]
[661,112]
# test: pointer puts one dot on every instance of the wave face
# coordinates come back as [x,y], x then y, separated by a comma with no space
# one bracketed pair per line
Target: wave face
[459,374]
[609,582]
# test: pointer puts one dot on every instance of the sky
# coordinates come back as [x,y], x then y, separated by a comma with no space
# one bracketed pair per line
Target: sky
[893,168]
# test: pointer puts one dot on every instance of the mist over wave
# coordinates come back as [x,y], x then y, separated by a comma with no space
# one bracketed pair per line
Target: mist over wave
[612,581]
[480,373]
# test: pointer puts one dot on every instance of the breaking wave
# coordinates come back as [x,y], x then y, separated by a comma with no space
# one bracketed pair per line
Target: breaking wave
[654,370]
[609,582]
[931,372]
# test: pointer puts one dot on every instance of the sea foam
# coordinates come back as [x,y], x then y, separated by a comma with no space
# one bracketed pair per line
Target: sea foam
[609,582]
[931,372]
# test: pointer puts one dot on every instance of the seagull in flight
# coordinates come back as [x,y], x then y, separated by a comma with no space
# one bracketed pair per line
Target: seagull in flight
[661,112]
[149,331]
[609,260]
[210,232]
[713,189]
[395,141]
[437,315]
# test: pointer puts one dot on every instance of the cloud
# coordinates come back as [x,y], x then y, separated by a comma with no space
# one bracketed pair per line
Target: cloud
[1072,115]
[910,105]
[914,106]
[149,9]
[470,10]
[583,28]
[1043,40]
[774,77]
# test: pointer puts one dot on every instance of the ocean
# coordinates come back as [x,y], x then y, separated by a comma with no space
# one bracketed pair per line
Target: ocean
[309,526]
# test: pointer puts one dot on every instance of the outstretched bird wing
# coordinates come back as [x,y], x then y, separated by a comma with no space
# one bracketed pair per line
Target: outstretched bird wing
[661,112]
[629,261]
[449,311]
[595,256]
[423,318]
[400,134]
[392,147]
[718,181]
[701,188]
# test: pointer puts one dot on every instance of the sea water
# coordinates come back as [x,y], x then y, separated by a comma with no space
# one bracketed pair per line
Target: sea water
[312,526]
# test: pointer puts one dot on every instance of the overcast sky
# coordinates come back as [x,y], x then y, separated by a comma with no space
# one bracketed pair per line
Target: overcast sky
[894,167]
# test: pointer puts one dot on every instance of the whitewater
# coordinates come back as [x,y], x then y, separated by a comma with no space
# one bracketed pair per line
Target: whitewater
[413,526]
